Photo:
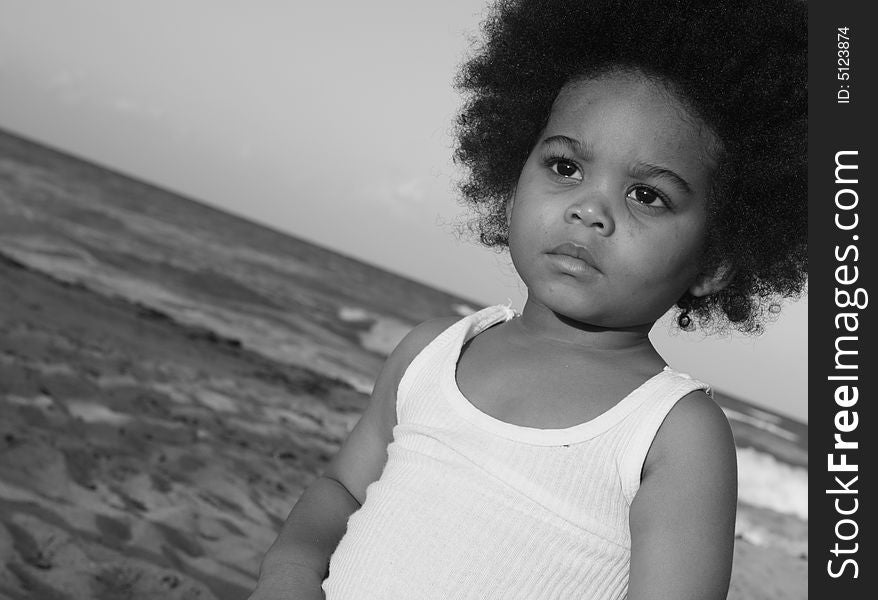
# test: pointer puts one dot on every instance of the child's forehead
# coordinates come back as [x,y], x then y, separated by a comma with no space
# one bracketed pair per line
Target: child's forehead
[627,101]
[581,93]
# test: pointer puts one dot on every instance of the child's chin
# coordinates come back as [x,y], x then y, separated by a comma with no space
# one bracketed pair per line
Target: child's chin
[575,310]
[590,317]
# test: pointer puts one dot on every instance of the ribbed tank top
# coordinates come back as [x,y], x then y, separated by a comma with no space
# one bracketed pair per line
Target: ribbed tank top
[469,507]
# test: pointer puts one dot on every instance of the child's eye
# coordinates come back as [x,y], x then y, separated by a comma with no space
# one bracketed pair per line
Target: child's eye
[648,196]
[565,168]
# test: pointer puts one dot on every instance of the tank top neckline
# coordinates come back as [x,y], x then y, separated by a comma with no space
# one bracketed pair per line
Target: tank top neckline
[471,326]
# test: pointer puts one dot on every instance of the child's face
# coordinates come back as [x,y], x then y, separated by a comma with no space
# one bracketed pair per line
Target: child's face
[609,217]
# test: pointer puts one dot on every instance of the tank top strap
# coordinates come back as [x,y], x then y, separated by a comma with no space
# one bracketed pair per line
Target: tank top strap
[642,425]
[428,364]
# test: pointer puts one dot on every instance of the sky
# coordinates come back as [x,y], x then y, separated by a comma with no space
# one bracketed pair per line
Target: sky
[330,121]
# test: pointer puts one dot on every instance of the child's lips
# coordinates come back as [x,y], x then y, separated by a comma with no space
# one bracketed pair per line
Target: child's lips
[573,257]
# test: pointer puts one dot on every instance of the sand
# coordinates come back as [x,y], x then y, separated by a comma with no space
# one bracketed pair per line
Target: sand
[141,458]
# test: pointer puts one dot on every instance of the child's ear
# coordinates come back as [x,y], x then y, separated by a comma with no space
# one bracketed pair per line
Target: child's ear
[710,283]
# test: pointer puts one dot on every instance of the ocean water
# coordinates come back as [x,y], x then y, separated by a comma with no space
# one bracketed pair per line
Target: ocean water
[294,302]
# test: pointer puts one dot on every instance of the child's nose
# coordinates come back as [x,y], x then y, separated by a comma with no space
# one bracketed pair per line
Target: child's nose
[591,213]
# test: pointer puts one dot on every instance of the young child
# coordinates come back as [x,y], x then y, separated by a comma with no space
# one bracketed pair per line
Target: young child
[633,155]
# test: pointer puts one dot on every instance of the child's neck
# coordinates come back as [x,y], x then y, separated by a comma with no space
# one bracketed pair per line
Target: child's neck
[548,327]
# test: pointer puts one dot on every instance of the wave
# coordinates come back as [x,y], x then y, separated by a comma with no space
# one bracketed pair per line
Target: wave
[766,482]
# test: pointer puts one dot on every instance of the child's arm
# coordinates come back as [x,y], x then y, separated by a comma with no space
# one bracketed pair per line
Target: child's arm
[683,516]
[297,562]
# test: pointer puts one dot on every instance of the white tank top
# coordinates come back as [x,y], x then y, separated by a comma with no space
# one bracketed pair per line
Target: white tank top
[469,507]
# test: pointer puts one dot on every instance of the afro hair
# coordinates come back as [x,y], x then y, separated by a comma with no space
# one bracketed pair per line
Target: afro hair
[740,66]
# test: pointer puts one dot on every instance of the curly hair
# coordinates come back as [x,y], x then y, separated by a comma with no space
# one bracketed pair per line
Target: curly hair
[740,66]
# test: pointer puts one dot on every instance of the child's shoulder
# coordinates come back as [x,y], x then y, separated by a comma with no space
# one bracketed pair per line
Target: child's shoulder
[695,432]
[697,411]
[416,340]
[424,333]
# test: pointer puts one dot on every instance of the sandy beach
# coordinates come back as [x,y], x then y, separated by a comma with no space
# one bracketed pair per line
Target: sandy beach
[140,458]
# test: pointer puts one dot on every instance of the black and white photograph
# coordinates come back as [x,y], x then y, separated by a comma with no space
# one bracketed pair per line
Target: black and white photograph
[464,300]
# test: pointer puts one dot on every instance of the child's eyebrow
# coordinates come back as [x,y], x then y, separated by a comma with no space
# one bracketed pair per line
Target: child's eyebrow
[647,170]
[573,145]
